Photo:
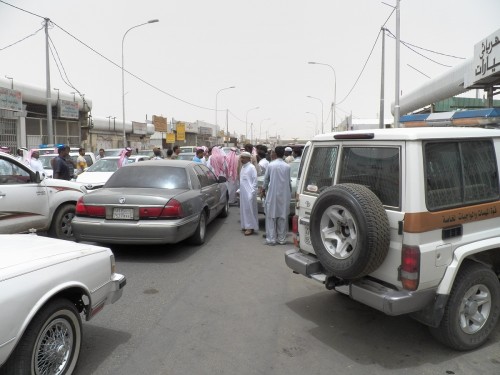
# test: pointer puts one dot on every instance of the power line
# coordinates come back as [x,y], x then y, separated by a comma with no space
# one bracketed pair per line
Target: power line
[22,10]
[362,70]
[23,39]
[130,73]
[418,53]
[427,50]
[112,62]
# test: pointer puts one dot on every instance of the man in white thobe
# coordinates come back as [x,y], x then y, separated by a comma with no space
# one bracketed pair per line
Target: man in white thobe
[277,190]
[35,163]
[248,195]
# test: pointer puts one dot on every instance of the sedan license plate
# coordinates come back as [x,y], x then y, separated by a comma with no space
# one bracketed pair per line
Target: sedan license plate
[123,213]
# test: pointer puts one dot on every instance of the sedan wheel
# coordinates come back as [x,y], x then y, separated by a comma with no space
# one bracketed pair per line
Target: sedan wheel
[51,343]
[198,238]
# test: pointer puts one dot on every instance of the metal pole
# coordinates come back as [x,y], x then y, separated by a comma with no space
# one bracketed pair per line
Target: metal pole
[322,121]
[227,127]
[334,120]
[246,122]
[216,95]
[123,78]
[382,78]
[396,99]
[50,133]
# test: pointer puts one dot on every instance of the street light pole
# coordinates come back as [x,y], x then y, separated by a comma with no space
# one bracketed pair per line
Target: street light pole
[316,116]
[334,91]
[260,129]
[123,77]
[246,122]
[216,95]
[313,97]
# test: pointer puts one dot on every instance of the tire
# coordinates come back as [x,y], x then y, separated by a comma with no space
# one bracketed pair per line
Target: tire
[61,223]
[51,344]
[198,238]
[349,231]
[225,211]
[473,308]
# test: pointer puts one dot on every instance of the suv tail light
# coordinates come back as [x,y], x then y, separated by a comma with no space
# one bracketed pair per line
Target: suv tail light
[89,210]
[172,210]
[295,224]
[410,267]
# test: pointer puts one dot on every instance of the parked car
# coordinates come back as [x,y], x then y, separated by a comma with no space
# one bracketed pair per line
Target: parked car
[185,149]
[29,200]
[47,158]
[227,149]
[46,285]
[406,221]
[96,176]
[149,153]
[113,151]
[294,171]
[186,156]
[153,202]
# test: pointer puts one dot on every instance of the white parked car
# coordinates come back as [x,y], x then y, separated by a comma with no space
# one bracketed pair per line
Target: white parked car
[47,158]
[96,176]
[46,286]
[29,200]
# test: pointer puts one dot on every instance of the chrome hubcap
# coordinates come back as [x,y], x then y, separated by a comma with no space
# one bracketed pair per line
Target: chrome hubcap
[54,348]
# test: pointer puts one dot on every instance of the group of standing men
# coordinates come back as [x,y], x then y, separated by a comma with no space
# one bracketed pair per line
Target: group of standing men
[276,192]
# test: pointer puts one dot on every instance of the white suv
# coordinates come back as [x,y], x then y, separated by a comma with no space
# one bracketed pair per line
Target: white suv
[406,221]
[30,201]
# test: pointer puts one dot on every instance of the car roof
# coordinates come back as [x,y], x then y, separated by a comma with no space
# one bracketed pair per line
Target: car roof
[165,163]
[411,134]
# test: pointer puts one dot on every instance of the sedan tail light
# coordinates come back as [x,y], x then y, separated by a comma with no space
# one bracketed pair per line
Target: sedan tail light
[89,210]
[172,210]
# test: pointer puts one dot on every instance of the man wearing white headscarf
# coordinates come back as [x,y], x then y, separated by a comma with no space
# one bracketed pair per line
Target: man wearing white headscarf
[248,195]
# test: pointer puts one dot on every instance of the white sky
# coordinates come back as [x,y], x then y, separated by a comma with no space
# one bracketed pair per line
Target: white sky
[261,46]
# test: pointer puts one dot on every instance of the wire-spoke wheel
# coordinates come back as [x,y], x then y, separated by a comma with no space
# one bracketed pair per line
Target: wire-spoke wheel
[51,343]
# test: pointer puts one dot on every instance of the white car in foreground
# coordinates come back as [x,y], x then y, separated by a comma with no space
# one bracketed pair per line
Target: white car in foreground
[46,286]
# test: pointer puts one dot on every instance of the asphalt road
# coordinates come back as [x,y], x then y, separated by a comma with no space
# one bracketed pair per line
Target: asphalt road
[232,306]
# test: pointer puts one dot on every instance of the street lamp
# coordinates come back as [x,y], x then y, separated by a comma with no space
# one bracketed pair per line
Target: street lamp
[334,90]
[260,128]
[123,77]
[246,122]
[216,95]
[313,97]
[316,116]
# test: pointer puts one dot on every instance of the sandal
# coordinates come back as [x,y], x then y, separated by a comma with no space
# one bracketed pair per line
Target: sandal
[248,232]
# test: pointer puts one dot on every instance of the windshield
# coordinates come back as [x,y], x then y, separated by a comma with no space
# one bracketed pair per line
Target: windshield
[149,176]
[45,159]
[104,165]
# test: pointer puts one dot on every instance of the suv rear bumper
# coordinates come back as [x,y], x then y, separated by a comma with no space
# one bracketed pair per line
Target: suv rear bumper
[367,291]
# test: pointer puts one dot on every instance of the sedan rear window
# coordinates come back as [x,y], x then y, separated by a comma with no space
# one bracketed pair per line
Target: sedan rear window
[157,177]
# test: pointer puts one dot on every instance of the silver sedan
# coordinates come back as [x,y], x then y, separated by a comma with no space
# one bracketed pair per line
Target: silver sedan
[153,202]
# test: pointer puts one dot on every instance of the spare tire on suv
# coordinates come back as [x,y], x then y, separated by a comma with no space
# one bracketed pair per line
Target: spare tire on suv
[349,231]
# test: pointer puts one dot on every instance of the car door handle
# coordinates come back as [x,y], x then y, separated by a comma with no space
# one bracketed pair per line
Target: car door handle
[2,194]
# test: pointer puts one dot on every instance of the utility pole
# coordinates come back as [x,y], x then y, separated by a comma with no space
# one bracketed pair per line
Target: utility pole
[382,98]
[397,114]
[50,133]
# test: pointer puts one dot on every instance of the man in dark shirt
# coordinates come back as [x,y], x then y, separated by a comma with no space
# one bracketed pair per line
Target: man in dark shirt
[60,166]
